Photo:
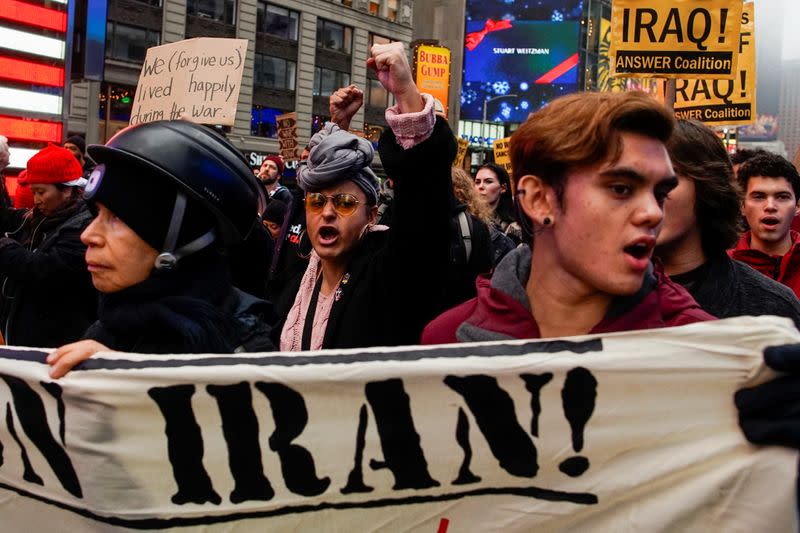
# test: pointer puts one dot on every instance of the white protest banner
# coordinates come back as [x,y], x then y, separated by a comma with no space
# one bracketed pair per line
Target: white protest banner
[724,102]
[675,38]
[287,136]
[196,79]
[622,432]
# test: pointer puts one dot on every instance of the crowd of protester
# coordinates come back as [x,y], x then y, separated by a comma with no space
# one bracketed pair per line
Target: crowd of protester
[619,218]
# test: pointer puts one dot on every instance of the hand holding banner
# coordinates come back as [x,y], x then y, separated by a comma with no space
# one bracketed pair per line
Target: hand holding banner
[597,433]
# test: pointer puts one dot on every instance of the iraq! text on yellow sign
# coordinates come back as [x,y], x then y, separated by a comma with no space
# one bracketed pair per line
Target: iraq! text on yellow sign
[724,102]
[675,38]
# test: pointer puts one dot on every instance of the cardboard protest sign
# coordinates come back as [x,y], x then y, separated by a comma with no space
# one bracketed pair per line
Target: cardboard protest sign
[503,158]
[724,102]
[675,38]
[461,155]
[287,136]
[196,79]
[620,432]
[432,72]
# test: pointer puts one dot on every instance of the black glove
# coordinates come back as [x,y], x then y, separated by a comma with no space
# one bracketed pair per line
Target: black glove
[770,413]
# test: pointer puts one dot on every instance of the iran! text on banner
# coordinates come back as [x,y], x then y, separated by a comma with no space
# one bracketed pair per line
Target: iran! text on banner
[675,38]
[724,102]
[622,432]
[196,79]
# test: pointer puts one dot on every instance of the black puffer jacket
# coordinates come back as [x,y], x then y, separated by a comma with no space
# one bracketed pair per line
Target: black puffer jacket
[47,298]
[193,309]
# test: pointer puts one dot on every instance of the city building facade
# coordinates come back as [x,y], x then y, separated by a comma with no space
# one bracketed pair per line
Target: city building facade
[298,53]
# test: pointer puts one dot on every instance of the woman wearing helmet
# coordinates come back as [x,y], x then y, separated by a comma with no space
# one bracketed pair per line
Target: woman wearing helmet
[170,198]
[367,285]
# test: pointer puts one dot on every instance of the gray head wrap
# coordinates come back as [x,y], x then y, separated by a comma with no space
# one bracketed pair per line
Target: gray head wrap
[337,155]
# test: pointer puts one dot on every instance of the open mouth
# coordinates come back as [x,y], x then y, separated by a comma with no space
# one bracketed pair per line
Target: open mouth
[639,250]
[328,234]
[770,222]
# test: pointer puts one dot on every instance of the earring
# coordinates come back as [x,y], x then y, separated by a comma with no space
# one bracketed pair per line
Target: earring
[546,221]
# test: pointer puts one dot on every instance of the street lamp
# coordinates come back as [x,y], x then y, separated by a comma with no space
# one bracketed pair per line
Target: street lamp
[483,122]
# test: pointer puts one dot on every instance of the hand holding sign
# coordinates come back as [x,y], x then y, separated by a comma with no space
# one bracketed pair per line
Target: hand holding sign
[344,103]
[391,65]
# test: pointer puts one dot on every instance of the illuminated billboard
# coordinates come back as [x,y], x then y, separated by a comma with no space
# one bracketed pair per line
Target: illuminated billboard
[534,60]
[33,40]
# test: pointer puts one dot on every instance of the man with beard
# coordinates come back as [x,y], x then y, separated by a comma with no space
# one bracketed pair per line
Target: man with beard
[47,297]
[771,188]
[270,174]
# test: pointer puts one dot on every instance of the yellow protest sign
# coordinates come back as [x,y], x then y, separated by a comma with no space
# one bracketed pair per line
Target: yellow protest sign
[675,38]
[463,147]
[724,102]
[432,69]
[502,157]
[195,79]
[287,136]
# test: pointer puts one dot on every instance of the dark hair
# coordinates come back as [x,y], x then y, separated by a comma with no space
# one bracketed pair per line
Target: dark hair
[505,205]
[74,189]
[698,154]
[742,155]
[772,166]
[583,129]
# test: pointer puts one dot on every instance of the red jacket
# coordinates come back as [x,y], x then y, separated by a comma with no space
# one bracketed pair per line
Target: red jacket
[784,269]
[501,310]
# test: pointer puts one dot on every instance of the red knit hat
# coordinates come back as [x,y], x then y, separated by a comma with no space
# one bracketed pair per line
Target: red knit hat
[278,162]
[54,165]
[23,197]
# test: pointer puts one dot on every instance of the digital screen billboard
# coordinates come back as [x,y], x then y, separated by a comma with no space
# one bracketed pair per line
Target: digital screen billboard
[534,60]
[553,10]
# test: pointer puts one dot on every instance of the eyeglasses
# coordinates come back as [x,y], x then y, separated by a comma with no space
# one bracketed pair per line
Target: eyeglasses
[344,204]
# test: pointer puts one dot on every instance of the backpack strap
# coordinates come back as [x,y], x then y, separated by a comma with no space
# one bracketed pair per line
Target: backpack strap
[466,235]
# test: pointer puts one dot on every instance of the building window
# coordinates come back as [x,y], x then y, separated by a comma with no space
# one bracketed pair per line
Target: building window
[221,10]
[377,39]
[262,121]
[377,96]
[274,72]
[327,81]
[277,21]
[391,9]
[374,7]
[332,36]
[129,43]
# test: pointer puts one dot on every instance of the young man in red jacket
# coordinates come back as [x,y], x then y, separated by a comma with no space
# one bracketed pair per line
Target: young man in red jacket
[772,188]
[592,173]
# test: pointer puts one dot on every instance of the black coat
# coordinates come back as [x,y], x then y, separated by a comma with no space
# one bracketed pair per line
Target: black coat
[396,276]
[460,284]
[728,288]
[290,256]
[47,295]
[192,309]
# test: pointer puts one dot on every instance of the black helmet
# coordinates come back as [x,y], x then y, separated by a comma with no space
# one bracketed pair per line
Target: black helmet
[193,164]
